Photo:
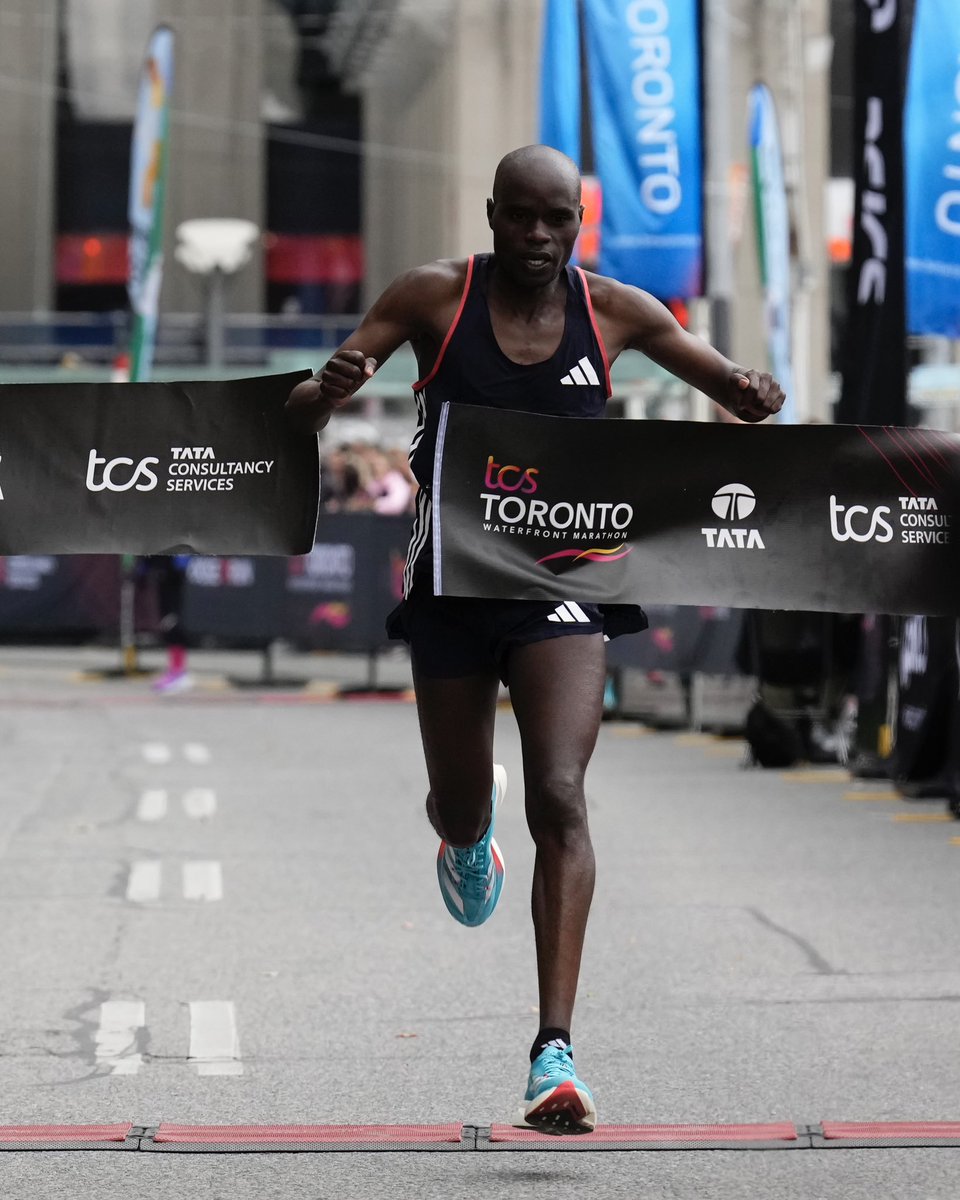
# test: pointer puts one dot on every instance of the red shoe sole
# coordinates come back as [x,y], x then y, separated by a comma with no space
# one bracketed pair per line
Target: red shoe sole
[562,1112]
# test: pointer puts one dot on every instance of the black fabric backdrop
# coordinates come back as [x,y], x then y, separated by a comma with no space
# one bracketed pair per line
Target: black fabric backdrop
[45,596]
[875,364]
[820,518]
[155,468]
[683,640]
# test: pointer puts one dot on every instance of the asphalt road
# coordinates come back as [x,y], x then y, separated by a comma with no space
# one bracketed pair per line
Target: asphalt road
[221,908]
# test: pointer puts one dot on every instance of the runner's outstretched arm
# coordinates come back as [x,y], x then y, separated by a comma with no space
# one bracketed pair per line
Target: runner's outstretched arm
[638,321]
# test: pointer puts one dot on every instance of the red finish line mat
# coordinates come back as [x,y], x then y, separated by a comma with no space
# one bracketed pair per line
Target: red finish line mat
[867,1134]
[302,1138]
[122,1136]
[238,1139]
[781,1136]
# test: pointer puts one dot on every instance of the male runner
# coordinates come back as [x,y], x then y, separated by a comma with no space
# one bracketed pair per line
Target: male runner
[511,330]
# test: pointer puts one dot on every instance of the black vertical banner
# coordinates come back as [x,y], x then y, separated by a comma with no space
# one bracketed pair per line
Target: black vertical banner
[874,373]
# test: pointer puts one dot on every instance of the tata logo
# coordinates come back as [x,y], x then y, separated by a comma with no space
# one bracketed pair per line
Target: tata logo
[857,523]
[139,477]
[733,502]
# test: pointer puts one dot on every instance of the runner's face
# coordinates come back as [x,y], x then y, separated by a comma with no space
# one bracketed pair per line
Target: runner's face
[535,222]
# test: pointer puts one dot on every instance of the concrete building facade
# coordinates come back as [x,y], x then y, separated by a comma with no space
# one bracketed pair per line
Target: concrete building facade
[216,136]
[28,74]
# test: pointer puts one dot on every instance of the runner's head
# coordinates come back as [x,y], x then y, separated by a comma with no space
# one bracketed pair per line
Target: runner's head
[535,214]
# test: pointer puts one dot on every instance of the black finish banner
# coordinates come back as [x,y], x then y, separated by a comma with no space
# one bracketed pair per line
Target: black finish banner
[155,468]
[824,518]
[875,365]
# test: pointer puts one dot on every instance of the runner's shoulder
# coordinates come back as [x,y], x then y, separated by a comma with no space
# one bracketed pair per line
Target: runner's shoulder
[625,312]
[430,285]
[613,298]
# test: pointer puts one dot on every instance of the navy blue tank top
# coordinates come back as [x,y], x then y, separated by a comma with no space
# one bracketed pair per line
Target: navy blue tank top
[470,368]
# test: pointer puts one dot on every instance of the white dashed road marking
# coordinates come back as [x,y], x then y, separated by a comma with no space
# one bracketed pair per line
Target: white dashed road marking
[196,753]
[200,803]
[202,881]
[214,1043]
[152,805]
[144,881]
[156,753]
[116,1037]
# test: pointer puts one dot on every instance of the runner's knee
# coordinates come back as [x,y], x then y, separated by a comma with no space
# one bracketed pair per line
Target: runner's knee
[557,809]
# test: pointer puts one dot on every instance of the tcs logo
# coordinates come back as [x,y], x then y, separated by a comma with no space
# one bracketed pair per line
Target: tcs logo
[108,483]
[847,523]
[510,479]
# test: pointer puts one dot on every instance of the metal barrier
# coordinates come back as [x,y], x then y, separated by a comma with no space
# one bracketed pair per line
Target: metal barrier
[30,339]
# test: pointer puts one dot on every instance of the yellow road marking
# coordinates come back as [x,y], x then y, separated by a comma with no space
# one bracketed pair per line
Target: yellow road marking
[629,730]
[727,751]
[871,796]
[321,687]
[955,841]
[692,739]
[814,776]
[922,818]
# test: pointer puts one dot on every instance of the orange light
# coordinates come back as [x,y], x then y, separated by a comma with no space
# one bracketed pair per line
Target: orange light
[681,312]
[588,243]
[92,247]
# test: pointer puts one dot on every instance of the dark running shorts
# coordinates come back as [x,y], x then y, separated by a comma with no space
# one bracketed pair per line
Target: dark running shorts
[453,636]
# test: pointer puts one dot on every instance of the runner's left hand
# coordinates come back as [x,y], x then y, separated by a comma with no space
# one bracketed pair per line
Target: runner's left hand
[754,395]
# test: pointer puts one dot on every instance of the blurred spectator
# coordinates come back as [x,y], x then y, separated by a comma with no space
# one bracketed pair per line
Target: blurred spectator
[342,480]
[168,573]
[333,467]
[387,487]
[360,477]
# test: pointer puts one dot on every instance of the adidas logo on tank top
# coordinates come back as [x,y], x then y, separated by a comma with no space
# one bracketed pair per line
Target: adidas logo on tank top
[582,374]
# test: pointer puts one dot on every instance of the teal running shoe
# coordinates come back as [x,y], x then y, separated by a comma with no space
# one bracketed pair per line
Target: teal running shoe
[556,1100]
[471,877]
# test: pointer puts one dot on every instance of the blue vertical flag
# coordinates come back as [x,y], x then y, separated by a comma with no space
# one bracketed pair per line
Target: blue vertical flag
[560,78]
[932,145]
[643,67]
[644,71]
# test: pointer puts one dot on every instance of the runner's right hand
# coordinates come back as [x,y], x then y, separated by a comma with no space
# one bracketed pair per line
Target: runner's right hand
[344,372]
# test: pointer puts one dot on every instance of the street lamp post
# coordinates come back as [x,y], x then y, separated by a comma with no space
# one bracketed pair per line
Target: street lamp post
[215,248]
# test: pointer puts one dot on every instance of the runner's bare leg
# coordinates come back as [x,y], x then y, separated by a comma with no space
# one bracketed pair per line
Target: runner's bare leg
[556,687]
[456,725]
